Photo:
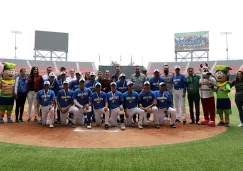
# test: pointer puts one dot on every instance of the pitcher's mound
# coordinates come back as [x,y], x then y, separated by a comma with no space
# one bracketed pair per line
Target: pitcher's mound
[31,133]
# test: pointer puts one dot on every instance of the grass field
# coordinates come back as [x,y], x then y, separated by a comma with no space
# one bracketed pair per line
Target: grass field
[222,152]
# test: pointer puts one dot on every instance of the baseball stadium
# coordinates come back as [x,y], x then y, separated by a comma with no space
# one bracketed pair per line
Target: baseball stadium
[57,113]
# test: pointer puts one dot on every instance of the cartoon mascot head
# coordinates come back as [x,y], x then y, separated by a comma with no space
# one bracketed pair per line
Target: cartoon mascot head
[205,70]
[8,72]
[222,73]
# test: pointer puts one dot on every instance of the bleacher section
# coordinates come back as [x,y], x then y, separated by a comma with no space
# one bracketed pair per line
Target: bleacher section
[127,70]
[42,65]
[234,64]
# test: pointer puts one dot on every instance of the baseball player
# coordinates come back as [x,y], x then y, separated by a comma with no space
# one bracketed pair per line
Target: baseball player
[131,99]
[122,83]
[91,83]
[45,101]
[65,104]
[164,103]
[155,80]
[179,82]
[147,102]
[115,100]
[81,101]
[100,105]
[73,85]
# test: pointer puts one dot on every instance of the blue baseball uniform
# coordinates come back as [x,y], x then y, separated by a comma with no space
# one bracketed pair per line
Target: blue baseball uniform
[54,86]
[74,85]
[130,99]
[146,98]
[60,82]
[45,98]
[82,96]
[179,82]
[91,85]
[154,83]
[98,100]
[164,99]
[65,98]
[114,99]
[122,87]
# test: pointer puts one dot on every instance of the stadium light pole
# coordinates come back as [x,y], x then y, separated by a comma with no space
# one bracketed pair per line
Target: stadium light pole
[227,49]
[15,46]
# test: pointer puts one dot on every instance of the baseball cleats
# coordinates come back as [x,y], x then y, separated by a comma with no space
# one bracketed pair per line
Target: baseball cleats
[227,124]
[35,118]
[192,122]
[74,126]
[21,120]
[173,126]
[140,126]
[51,126]
[29,120]
[240,125]
[123,126]
[184,122]
[157,126]
[10,120]
[89,126]
[1,121]
[177,121]
[106,126]
[16,120]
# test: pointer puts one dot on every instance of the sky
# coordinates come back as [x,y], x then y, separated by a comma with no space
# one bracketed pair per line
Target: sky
[143,29]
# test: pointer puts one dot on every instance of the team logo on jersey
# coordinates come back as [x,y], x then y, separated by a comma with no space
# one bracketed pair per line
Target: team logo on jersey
[82,95]
[162,99]
[113,99]
[65,98]
[45,97]
[98,100]
[130,99]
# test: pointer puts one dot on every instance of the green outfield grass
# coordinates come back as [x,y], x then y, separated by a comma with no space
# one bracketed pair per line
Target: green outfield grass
[222,152]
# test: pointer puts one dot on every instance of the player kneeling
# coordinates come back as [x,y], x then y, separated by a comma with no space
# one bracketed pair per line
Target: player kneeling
[131,99]
[115,100]
[45,101]
[100,105]
[65,104]
[81,101]
[164,104]
[147,102]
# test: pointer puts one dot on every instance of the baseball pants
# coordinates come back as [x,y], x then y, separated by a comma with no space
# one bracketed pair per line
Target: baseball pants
[151,110]
[115,113]
[80,116]
[31,96]
[63,116]
[98,113]
[133,111]
[45,111]
[160,115]
[180,103]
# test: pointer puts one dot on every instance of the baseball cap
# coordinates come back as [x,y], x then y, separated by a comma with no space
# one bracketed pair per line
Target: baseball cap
[82,79]
[46,83]
[113,83]
[97,84]
[79,73]
[162,83]
[129,83]
[122,75]
[65,82]
[177,67]
[144,70]
[92,73]
[146,83]
[63,73]
[52,74]
[156,70]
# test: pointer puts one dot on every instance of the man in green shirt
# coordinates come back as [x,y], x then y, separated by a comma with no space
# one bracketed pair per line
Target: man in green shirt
[193,96]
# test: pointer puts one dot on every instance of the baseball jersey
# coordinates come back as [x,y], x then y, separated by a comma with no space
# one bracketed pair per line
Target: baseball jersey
[164,99]
[179,82]
[114,99]
[146,98]
[168,81]
[65,98]
[206,91]
[154,83]
[138,81]
[91,85]
[98,100]
[73,85]
[54,86]
[122,87]
[82,96]
[45,98]
[60,82]
[130,99]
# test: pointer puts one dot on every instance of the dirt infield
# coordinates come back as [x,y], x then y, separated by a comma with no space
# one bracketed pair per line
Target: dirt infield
[31,133]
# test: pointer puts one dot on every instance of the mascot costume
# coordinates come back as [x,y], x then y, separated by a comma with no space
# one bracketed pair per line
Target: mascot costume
[223,100]
[207,88]
[7,91]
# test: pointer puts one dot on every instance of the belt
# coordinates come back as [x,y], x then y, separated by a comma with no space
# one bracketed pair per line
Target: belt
[44,105]
[177,88]
[161,107]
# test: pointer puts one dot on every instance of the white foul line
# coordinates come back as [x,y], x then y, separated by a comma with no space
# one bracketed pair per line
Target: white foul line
[78,129]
